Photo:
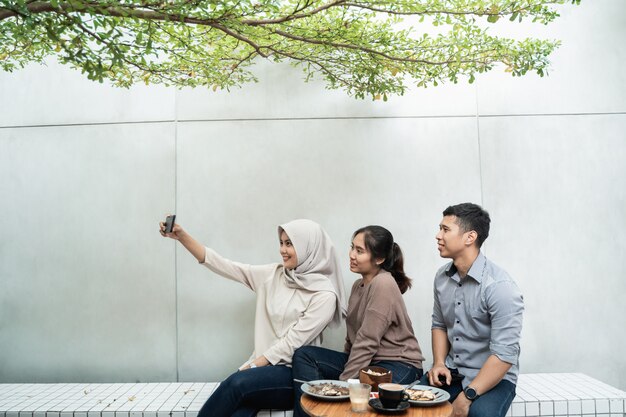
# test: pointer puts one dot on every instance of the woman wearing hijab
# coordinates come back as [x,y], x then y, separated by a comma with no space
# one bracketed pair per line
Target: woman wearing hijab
[296,300]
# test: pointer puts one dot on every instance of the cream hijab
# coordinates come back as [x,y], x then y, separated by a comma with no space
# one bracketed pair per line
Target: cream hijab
[318,268]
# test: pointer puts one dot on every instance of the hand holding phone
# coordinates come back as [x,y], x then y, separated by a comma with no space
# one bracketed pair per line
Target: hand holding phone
[169,223]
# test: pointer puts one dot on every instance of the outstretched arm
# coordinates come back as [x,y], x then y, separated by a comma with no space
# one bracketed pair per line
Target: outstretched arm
[249,275]
[192,245]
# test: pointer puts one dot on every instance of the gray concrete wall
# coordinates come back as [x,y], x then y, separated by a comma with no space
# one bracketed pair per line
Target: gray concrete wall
[89,291]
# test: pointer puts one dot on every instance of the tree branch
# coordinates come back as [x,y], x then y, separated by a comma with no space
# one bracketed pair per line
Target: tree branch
[350,43]
[476,12]
[255,22]
[355,48]
[41,7]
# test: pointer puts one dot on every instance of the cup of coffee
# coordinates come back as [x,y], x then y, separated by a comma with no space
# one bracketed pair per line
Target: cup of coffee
[391,395]
[359,396]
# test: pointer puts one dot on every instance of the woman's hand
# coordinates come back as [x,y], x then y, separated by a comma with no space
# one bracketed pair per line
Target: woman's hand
[258,362]
[176,234]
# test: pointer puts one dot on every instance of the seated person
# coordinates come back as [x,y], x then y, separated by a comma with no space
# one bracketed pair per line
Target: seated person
[477,319]
[296,300]
[379,330]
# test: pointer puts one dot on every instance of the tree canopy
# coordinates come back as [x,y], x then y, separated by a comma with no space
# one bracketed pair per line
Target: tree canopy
[364,47]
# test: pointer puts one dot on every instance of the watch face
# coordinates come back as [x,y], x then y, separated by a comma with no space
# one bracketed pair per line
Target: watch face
[470,393]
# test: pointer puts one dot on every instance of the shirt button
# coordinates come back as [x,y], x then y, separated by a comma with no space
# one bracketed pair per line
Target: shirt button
[456,338]
[457,321]
[459,303]
[460,285]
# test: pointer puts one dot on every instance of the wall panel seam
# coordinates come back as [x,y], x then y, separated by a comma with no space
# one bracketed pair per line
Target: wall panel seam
[254,119]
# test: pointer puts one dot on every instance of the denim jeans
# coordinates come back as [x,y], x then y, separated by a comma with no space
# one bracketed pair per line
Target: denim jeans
[246,392]
[312,363]
[493,403]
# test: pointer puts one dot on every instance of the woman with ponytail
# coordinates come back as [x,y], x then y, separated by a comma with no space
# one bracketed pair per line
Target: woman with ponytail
[379,330]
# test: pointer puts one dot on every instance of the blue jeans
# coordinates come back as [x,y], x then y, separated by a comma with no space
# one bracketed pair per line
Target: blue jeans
[493,403]
[246,392]
[311,363]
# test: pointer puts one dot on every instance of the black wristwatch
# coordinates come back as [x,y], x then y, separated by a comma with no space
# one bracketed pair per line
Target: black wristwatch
[470,393]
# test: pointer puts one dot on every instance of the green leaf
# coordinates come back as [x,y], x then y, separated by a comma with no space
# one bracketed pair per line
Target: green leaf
[365,53]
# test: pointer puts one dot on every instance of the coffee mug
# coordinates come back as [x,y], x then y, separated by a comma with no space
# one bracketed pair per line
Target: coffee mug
[391,395]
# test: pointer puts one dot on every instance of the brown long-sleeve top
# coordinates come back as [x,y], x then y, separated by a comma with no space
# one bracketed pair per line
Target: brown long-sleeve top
[378,326]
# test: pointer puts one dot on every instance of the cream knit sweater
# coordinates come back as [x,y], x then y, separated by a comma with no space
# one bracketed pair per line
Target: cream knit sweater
[286,318]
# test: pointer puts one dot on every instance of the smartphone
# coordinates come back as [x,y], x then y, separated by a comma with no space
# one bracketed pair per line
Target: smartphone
[456,378]
[169,223]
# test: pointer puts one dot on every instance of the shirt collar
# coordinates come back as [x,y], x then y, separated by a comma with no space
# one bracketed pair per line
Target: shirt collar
[451,270]
[475,272]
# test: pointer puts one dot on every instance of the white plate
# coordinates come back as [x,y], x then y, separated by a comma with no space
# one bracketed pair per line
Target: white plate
[440,395]
[306,388]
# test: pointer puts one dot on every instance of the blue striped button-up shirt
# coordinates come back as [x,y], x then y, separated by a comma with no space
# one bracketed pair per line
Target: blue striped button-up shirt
[482,315]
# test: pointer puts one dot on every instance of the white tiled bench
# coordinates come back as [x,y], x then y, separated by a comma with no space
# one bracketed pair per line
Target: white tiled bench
[178,399]
[537,395]
[566,395]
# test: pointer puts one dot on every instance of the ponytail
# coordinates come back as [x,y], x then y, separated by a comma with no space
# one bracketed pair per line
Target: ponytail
[394,264]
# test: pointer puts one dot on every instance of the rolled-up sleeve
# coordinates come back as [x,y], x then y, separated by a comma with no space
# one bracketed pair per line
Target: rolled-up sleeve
[437,317]
[506,308]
